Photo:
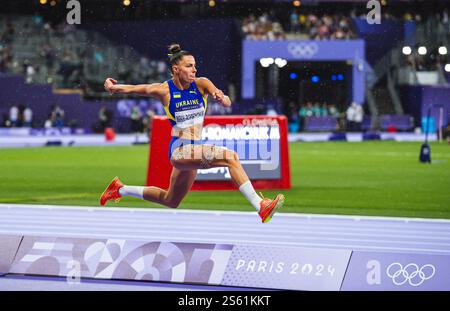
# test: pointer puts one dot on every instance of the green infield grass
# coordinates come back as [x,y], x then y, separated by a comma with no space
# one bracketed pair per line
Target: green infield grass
[368,178]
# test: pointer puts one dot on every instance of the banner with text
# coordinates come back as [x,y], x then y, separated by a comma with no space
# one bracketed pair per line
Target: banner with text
[373,271]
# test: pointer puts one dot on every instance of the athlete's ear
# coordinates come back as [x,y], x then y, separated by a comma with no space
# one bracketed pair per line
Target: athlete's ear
[174,68]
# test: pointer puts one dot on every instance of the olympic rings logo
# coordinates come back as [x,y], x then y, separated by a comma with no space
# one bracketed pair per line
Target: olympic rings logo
[410,273]
[307,50]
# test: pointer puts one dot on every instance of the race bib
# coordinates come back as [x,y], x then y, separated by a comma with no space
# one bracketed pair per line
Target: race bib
[190,117]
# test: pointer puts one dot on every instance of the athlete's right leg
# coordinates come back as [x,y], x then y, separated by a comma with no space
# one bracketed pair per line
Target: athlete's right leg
[180,184]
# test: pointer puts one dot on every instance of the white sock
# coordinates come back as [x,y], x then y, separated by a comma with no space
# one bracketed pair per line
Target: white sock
[132,191]
[248,191]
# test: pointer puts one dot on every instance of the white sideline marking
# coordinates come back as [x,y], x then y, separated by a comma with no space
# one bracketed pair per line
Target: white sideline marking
[218,213]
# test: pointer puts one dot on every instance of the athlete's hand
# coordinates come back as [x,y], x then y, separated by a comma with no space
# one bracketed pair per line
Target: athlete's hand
[221,98]
[109,83]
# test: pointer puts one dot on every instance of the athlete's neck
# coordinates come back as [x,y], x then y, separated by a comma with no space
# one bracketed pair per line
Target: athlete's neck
[180,84]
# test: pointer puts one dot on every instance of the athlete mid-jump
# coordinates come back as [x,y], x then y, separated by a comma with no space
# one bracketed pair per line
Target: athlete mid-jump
[184,99]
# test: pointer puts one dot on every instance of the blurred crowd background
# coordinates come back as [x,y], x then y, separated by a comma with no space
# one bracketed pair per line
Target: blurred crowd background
[40,53]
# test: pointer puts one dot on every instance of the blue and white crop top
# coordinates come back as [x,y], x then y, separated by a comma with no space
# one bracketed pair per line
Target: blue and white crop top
[186,107]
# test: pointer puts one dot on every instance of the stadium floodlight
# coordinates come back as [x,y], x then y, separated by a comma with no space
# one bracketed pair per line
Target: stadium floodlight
[422,50]
[442,50]
[407,50]
[447,68]
[266,62]
[126,2]
[280,62]
[263,62]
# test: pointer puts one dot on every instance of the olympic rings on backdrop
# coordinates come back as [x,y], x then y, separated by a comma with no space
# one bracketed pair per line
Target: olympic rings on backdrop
[410,273]
[303,50]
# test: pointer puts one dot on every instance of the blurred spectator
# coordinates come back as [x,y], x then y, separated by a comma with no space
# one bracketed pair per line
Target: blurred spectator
[14,116]
[57,116]
[263,28]
[323,27]
[124,72]
[49,122]
[66,67]
[48,55]
[123,108]
[316,110]
[293,118]
[305,112]
[98,56]
[156,107]
[445,20]
[144,62]
[447,133]
[37,19]
[5,121]
[5,58]
[354,117]
[30,72]
[271,111]
[105,117]
[162,68]
[332,111]
[350,117]
[295,22]
[135,117]
[359,115]
[27,117]
[8,35]
[147,122]
[48,29]
[324,110]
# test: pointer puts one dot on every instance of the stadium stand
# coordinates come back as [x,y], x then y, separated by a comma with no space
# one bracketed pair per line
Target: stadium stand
[44,49]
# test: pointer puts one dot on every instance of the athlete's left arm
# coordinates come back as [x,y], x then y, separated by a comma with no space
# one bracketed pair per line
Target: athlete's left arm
[207,87]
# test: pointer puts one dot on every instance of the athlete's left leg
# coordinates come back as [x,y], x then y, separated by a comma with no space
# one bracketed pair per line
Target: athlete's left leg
[194,157]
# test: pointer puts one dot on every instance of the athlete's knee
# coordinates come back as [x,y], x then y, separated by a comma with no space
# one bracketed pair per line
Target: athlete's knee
[173,204]
[232,157]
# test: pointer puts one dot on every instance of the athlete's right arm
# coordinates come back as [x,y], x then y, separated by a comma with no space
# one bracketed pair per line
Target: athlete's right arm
[152,90]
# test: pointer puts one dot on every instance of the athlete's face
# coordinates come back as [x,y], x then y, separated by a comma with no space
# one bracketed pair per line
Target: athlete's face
[185,69]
